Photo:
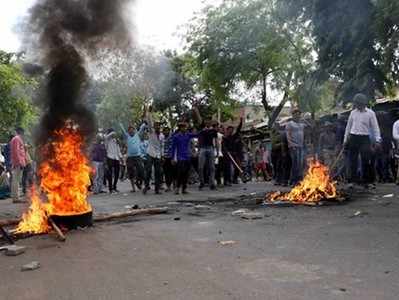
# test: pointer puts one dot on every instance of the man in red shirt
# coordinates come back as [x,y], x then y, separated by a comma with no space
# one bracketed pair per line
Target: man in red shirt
[18,162]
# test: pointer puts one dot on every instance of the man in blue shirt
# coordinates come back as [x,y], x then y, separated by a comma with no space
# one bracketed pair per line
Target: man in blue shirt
[169,169]
[181,156]
[134,163]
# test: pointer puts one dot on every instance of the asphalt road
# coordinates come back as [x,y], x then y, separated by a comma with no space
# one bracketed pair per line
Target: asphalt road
[292,253]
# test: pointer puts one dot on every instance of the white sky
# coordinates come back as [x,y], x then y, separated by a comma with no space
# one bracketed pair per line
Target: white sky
[156,21]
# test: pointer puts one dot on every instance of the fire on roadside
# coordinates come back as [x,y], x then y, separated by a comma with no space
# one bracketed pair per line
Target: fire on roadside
[64,180]
[316,186]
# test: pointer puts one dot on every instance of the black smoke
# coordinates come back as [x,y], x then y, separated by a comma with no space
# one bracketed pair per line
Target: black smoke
[67,34]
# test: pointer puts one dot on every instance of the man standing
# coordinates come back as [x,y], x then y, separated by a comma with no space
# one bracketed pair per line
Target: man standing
[395,135]
[181,153]
[295,138]
[154,153]
[362,126]
[168,167]
[228,149]
[206,144]
[18,163]
[114,156]
[98,157]
[135,169]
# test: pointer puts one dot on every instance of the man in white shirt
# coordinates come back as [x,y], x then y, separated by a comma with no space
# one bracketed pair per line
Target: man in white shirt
[361,131]
[395,135]
[114,156]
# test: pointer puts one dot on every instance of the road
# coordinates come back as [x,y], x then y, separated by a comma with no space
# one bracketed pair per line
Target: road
[291,253]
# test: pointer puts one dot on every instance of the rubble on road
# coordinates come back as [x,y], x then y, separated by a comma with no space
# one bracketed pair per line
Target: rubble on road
[34,265]
[240,212]
[252,216]
[202,207]
[13,250]
[227,243]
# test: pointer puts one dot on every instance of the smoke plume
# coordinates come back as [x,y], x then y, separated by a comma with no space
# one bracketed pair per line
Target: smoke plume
[68,33]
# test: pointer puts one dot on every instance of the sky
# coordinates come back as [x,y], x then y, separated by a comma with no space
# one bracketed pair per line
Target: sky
[156,21]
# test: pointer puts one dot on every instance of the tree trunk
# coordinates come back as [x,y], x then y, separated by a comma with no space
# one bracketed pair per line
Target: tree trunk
[276,112]
[264,93]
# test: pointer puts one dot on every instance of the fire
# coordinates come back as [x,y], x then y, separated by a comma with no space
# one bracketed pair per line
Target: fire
[316,186]
[64,179]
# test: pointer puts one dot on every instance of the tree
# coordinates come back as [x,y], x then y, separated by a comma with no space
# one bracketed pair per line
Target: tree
[16,108]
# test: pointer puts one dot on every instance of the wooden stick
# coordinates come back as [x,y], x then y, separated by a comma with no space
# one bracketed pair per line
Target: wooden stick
[57,230]
[9,222]
[6,236]
[135,212]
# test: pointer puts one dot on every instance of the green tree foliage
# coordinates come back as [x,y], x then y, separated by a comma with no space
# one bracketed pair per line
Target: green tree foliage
[356,41]
[15,96]
[250,42]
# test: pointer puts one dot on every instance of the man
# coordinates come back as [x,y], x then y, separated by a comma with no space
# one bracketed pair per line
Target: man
[18,163]
[362,127]
[114,156]
[219,155]
[134,163]
[154,153]
[395,135]
[181,153]
[206,143]
[98,157]
[27,173]
[326,144]
[169,169]
[295,138]
[228,148]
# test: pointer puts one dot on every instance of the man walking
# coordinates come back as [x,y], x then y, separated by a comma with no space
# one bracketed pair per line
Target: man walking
[154,154]
[361,128]
[206,144]
[18,163]
[181,154]
[228,148]
[295,138]
[114,156]
[134,163]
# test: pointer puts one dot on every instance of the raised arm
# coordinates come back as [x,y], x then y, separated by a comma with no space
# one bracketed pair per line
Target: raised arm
[197,116]
[123,130]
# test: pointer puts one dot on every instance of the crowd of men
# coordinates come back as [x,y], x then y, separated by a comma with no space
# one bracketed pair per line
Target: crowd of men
[158,158]
[355,149]
[163,156]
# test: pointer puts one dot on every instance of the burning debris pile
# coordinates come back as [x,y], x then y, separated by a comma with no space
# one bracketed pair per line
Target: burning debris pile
[317,186]
[64,34]
[65,177]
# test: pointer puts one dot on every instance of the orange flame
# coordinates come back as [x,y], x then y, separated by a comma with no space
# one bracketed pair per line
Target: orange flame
[65,177]
[316,186]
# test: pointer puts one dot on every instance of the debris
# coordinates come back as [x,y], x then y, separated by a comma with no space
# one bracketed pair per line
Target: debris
[173,203]
[132,207]
[188,204]
[227,243]
[387,272]
[60,234]
[220,232]
[13,250]
[134,212]
[358,214]
[165,283]
[31,266]
[240,212]
[177,219]
[202,207]
[252,216]
[388,196]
